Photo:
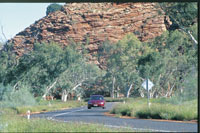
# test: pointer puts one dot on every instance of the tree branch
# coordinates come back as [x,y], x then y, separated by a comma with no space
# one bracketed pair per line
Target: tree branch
[3,33]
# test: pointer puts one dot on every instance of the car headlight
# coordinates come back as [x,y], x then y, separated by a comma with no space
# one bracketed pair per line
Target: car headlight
[101,103]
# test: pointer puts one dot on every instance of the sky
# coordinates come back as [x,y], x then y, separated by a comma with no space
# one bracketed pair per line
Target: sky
[15,17]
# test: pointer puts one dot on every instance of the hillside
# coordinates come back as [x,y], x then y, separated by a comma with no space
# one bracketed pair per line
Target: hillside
[93,23]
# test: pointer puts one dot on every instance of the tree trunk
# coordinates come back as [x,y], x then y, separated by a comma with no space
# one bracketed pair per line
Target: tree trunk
[64,96]
[141,94]
[113,88]
[128,92]
[118,91]
[170,93]
[191,36]
[152,93]
[169,90]
[48,89]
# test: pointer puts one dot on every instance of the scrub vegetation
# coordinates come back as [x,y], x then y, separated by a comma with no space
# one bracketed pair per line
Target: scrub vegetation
[162,108]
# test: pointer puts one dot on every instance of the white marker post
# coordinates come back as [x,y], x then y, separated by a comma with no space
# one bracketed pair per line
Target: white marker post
[147,93]
[147,84]
[28,114]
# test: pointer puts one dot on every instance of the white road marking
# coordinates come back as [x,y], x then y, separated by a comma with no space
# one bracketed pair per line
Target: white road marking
[67,113]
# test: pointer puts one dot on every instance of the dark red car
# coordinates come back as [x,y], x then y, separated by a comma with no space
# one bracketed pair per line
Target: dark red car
[96,101]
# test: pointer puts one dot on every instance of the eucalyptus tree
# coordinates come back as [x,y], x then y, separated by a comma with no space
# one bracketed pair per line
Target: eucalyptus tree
[122,64]
[150,66]
[128,51]
[178,56]
[182,15]
[40,67]
[105,51]
[78,73]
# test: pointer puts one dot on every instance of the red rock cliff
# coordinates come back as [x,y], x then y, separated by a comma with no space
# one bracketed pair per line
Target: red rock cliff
[94,21]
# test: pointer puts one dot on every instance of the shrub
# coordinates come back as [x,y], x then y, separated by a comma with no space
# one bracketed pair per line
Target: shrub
[52,8]
[138,108]
[13,98]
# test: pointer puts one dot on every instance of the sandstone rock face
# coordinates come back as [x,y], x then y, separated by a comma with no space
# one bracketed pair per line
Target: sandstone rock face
[93,23]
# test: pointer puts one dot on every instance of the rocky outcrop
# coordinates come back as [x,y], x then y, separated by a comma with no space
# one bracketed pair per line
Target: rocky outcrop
[93,23]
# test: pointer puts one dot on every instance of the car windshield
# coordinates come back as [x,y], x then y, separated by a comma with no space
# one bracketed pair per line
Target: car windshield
[96,98]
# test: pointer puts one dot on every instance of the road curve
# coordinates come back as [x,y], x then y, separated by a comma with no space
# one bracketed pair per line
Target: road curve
[96,115]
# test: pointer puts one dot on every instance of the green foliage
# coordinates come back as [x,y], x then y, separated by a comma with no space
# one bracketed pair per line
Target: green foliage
[4,90]
[46,64]
[159,109]
[189,88]
[1,45]
[177,59]
[53,8]
[169,112]
[7,63]
[39,68]
[122,63]
[182,14]
[150,65]
[13,98]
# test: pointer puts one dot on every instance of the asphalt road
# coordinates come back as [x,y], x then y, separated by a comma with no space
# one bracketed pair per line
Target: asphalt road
[96,115]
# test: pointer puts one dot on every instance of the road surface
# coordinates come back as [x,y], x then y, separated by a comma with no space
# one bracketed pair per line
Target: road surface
[96,115]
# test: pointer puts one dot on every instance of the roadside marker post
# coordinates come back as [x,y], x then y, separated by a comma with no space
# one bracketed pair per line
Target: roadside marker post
[147,93]
[147,85]
[28,114]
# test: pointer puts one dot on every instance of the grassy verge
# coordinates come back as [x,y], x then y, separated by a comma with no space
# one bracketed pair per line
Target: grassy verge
[48,106]
[14,123]
[158,110]
[110,99]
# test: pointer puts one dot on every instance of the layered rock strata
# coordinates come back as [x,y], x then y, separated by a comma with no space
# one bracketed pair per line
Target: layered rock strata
[93,23]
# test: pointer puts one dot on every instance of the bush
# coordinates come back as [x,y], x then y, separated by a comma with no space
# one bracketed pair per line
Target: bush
[138,108]
[52,8]
[13,98]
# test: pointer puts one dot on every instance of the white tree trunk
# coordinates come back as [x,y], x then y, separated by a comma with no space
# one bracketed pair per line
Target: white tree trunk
[142,94]
[48,89]
[63,93]
[170,92]
[191,36]
[64,96]
[152,93]
[128,92]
